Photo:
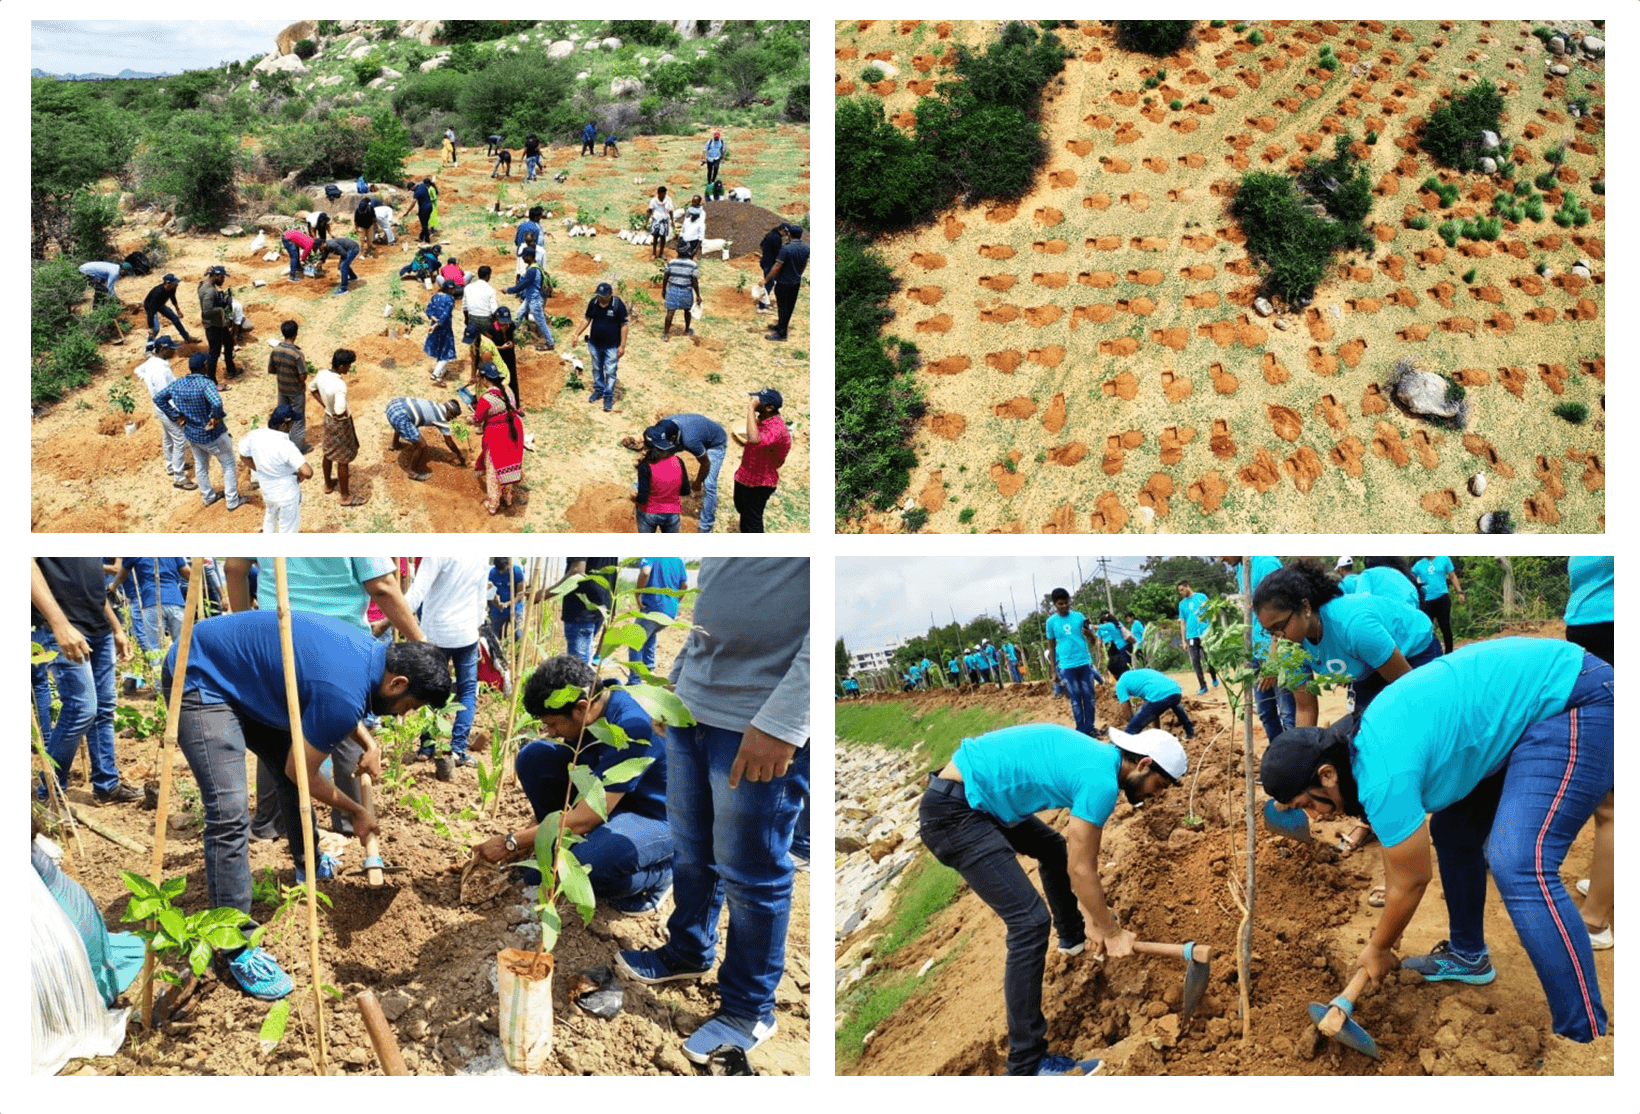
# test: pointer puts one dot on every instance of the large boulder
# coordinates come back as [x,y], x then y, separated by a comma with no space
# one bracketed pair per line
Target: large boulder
[688,28]
[611,43]
[424,31]
[1423,394]
[434,63]
[280,63]
[1557,45]
[626,87]
[287,39]
[333,79]
[1593,47]
[1488,165]
[1489,140]
[563,48]
[355,43]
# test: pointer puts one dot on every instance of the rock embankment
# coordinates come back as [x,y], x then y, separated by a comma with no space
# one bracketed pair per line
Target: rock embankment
[876,820]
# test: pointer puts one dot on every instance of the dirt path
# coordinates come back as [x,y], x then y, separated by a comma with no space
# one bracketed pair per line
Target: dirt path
[90,476]
[429,959]
[1180,409]
[1171,884]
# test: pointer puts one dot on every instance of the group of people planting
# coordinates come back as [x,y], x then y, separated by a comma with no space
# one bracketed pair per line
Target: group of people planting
[717,813]
[1489,757]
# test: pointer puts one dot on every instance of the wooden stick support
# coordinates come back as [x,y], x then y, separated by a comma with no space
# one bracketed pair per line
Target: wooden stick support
[162,761]
[381,1034]
[298,750]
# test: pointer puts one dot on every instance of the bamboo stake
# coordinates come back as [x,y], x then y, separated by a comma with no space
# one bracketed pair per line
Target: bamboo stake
[1244,959]
[163,635]
[298,747]
[108,833]
[173,720]
[49,770]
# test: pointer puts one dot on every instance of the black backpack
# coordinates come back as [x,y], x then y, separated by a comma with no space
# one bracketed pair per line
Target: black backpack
[140,263]
[333,191]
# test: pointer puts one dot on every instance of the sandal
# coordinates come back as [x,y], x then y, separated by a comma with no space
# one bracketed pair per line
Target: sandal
[1376,897]
[356,501]
[1361,836]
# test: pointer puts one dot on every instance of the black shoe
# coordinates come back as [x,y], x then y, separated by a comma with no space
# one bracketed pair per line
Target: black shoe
[775,336]
[119,795]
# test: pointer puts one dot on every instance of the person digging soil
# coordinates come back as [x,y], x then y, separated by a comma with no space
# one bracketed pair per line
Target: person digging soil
[407,416]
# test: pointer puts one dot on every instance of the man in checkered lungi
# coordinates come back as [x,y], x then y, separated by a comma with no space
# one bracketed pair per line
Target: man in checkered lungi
[341,442]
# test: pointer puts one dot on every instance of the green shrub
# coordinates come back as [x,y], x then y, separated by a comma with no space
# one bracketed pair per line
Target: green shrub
[669,80]
[1418,222]
[1239,28]
[797,104]
[985,151]
[1449,195]
[467,32]
[1598,186]
[437,89]
[1372,137]
[1328,62]
[1292,245]
[389,147]
[1175,104]
[366,70]
[1012,71]
[966,515]
[90,220]
[871,75]
[331,148]
[1534,207]
[1469,276]
[1153,36]
[305,49]
[1544,34]
[193,160]
[644,32]
[1448,231]
[1545,181]
[1523,189]
[63,342]
[1554,156]
[1152,82]
[884,178]
[1574,412]
[746,70]
[525,95]
[1256,38]
[1216,22]
[325,28]
[1452,134]
[915,519]
[1506,170]
[1542,267]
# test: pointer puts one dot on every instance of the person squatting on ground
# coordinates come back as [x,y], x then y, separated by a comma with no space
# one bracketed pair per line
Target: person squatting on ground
[629,855]
[1069,632]
[1114,639]
[1506,747]
[1433,575]
[978,816]
[1159,693]
[71,616]
[737,782]
[341,439]
[156,374]
[234,700]
[278,468]
[154,307]
[662,482]
[347,250]
[1193,623]
[407,416]
[765,445]
[194,403]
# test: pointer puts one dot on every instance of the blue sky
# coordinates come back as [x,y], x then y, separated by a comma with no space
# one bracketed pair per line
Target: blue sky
[146,45]
[882,598]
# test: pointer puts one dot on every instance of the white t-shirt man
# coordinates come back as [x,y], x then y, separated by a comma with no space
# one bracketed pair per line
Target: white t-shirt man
[450,593]
[480,298]
[275,462]
[660,212]
[156,374]
[332,390]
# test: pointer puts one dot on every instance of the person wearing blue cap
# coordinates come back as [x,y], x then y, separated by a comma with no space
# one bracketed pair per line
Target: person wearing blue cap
[708,443]
[156,374]
[278,467]
[154,307]
[786,277]
[441,341]
[194,403]
[662,481]
[766,444]
[607,316]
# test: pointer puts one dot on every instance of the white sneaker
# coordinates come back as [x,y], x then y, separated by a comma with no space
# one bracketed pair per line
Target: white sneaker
[1583,886]
[1601,941]
[1075,949]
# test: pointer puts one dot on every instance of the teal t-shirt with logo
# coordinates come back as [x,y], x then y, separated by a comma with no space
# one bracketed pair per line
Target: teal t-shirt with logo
[1146,684]
[1018,771]
[1360,633]
[1432,573]
[1190,610]
[1071,649]
[1389,583]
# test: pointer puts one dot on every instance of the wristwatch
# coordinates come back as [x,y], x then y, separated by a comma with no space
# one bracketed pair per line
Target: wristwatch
[512,844]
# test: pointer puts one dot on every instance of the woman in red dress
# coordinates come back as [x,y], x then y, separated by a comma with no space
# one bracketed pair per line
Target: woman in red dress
[500,460]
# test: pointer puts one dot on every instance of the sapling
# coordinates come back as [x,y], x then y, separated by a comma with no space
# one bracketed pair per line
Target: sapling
[191,938]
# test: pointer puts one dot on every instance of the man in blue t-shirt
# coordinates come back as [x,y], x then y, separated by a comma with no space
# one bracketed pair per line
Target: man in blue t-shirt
[1137,630]
[506,595]
[1507,747]
[233,700]
[993,661]
[606,314]
[1434,574]
[707,442]
[1069,632]
[954,666]
[147,613]
[1192,625]
[978,816]
[658,579]
[926,667]
[628,856]
[785,278]
[1159,693]
[1012,653]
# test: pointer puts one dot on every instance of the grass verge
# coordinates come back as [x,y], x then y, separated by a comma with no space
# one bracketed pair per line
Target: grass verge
[933,736]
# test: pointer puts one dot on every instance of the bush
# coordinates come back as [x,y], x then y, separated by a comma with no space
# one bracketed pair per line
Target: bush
[305,49]
[1574,412]
[1545,181]
[89,222]
[797,104]
[466,32]
[745,71]
[1175,104]
[884,179]
[1153,36]
[1598,186]
[1418,222]
[437,89]
[871,75]
[1256,38]
[669,80]
[1554,156]
[389,147]
[1372,137]
[1293,245]
[645,32]
[1326,61]
[194,160]
[1452,134]
[524,95]
[331,148]
[989,151]
[1469,276]
[1217,22]
[966,515]
[63,343]
[1448,231]
[366,70]
[915,519]
[1013,71]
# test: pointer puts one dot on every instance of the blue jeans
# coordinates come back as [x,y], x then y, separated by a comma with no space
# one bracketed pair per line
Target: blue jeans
[40,682]
[647,654]
[1151,711]
[709,496]
[800,837]
[148,629]
[731,843]
[170,315]
[532,165]
[986,853]
[1276,709]
[294,253]
[533,309]
[1519,822]
[86,689]
[604,365]
[1079,686]
[465,660]
[345,271]
[629,857]
[1013,667]
[582,639]
[658,523]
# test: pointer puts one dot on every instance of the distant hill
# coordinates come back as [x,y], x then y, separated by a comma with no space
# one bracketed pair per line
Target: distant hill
[123,75]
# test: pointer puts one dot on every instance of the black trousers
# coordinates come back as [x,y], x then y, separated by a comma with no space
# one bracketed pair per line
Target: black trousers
[586,147]
[220,338]
[749,504]
[1439,611]
[1595,638]
[785,297]
[712,170]
[423,217]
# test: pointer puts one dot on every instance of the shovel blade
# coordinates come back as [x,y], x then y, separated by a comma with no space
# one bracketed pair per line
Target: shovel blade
[1195,982]
[1351,1035]
[1289,822]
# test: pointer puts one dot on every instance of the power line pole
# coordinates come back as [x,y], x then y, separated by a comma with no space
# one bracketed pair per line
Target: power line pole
[1104,571]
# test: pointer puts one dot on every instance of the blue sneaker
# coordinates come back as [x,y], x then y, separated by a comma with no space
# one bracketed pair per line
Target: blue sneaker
[1215,682]
[1202,691]
[1443,964]
[327,868]
[645,965]
[259,975]
[1066,1065]
[736,1032]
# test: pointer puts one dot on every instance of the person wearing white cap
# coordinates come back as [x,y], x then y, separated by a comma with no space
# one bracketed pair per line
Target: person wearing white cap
[978,816]
[1349,582]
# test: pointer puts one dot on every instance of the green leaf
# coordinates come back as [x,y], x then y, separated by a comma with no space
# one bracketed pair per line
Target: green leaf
[273,1026]
[629,635]
[331,990]
[141,908]
[591,790]
[222,915]
[577,885]
[199,957]
[610,734]
[224,937]
[139,885]
[626,770]
[565,697]
[661,704]
[173,923]
[551,926]
[546,835]
[39,655]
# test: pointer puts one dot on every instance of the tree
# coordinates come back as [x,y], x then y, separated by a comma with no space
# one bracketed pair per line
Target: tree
[1153,36]
[842,669]
[193,161]
[389,147]
[519,95]
[1452,134]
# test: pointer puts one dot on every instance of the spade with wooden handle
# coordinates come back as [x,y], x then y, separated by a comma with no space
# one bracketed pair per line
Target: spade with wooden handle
[1196,957]
[1334,1020]
[373,870]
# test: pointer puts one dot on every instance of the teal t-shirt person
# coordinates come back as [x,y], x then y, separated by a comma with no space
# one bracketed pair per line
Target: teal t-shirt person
[1592,590]
[1432,573]
[1360,633]
[1070,648]
[1018,771]
[1191,610]
[1147,684]
[1431,737]
[1389,583]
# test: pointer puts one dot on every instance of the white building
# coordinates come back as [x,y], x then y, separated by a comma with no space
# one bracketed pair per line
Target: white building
[871,660]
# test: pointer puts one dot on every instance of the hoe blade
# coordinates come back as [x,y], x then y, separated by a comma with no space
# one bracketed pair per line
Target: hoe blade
[1289,822]
[1351,1035]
